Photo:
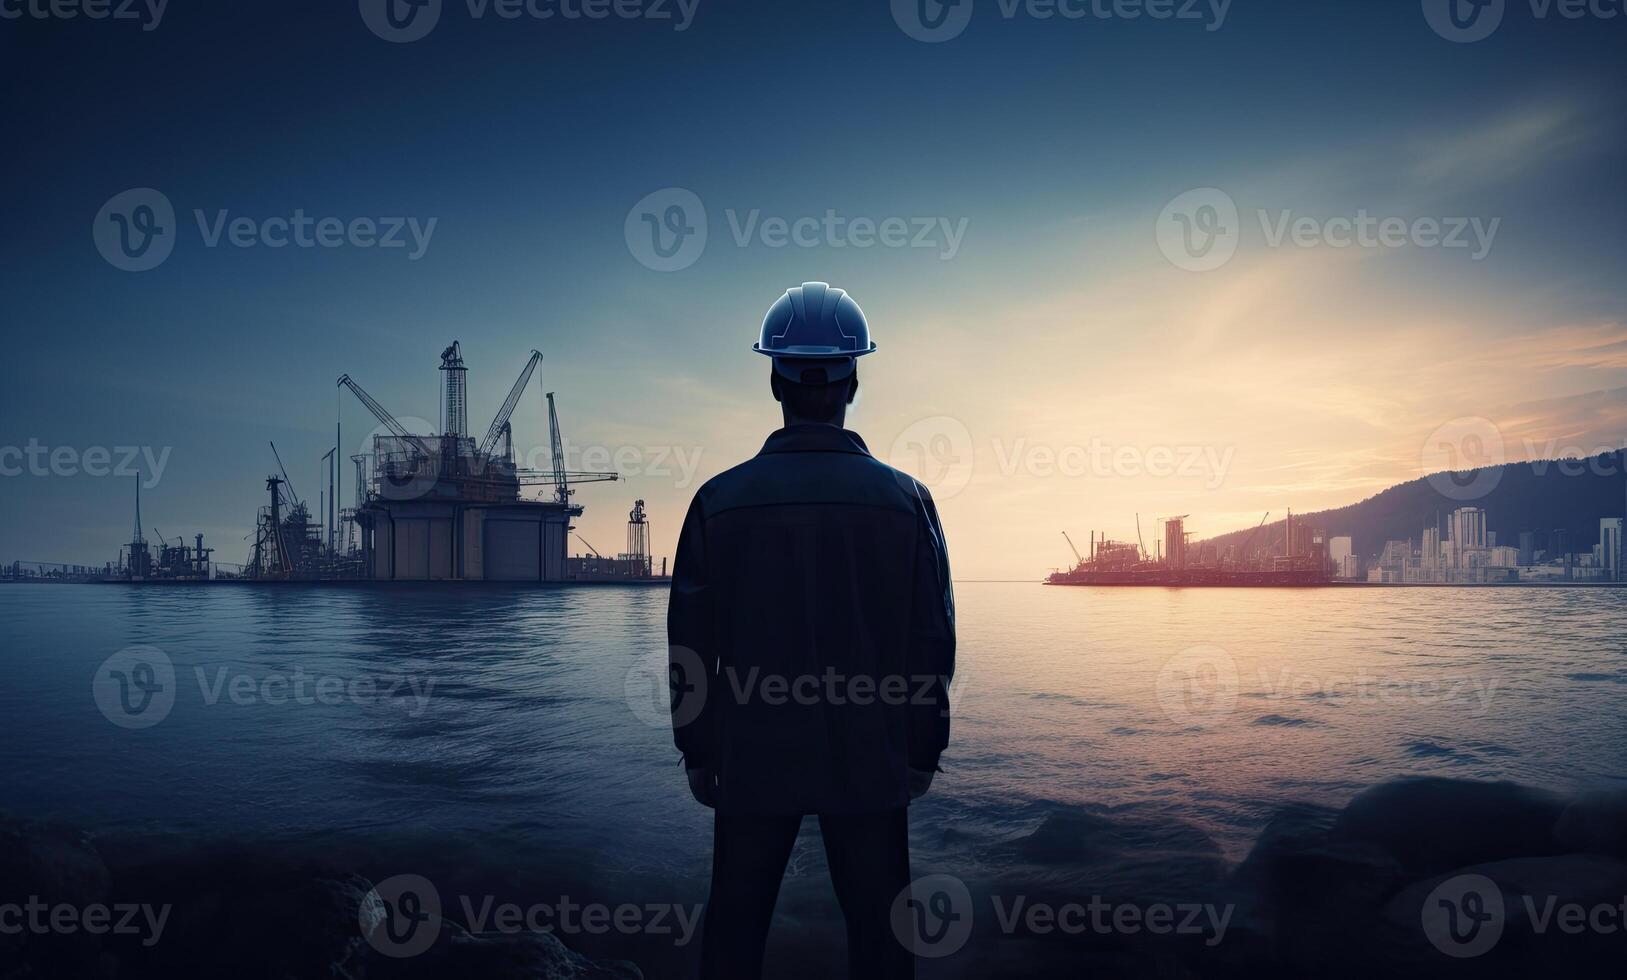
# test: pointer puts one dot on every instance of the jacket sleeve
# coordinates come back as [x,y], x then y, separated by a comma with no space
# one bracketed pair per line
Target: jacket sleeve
[932,640]
[691,653]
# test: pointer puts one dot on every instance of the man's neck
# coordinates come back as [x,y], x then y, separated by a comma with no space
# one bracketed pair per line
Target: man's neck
[839,422]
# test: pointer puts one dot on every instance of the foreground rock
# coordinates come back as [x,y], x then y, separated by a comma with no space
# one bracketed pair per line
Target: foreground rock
[503,956]
[239,914]
[50,867]
[1434,877]
[1417,877]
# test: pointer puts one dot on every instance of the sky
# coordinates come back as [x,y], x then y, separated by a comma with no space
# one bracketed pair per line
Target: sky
[1268,255]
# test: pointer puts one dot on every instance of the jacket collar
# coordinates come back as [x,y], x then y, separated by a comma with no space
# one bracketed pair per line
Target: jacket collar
[815,439]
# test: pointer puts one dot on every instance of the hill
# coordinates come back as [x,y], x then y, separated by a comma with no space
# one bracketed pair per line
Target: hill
[1539,496]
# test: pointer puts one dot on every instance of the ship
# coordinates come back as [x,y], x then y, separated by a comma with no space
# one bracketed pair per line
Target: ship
[1303,560]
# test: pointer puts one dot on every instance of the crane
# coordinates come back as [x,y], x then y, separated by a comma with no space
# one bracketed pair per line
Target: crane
[1140,543]
[291,494]
[562,492]
[1250,539]
[1078,558]
[501,421]
[384,417]
[560,477]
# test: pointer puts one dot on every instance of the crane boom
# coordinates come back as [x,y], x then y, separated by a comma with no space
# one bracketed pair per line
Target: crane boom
[384,417]
[507,410]
[560,476]
[562,491]
[1076,556]
[291,494]
[1250,539]
[1140,543]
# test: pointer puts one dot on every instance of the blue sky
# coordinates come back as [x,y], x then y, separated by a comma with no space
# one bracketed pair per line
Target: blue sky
[1306,376]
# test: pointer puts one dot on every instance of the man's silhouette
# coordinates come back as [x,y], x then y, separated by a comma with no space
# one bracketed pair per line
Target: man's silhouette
[812,635]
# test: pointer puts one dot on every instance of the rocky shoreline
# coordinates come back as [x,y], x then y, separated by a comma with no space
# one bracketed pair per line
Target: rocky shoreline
[1415,877]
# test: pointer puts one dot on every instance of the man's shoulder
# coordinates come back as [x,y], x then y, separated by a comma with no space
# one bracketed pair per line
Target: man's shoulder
[786,478]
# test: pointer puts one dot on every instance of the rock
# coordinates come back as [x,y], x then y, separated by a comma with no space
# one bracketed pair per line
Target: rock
[1595,823]
[55,866]
[499,956]
[1124,858]
[248,917]
[1120,853]
[1311,896]
[1533,933]
[1431,825]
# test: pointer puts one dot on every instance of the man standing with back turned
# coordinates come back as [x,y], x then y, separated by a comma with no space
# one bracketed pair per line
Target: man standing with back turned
[811,641]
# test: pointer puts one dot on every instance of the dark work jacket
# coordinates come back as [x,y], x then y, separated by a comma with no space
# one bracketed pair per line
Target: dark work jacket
[811,629]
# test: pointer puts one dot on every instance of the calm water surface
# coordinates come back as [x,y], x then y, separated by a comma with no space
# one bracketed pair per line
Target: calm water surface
[541,738]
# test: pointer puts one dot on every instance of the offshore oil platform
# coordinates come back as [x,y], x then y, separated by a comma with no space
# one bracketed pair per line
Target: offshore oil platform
[1303,559]
[427,508]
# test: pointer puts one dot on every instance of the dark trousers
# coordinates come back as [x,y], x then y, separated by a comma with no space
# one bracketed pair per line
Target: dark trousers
[869,858]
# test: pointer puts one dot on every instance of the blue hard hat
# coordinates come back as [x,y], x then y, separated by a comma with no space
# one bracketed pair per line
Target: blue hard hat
[814,327]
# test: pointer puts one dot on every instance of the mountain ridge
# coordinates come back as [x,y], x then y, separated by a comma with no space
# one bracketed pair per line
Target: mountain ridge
[1567,493]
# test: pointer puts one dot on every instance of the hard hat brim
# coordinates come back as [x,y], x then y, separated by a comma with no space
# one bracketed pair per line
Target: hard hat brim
[812,353]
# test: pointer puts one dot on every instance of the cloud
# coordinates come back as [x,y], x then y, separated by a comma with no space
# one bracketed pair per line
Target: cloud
[1508,146]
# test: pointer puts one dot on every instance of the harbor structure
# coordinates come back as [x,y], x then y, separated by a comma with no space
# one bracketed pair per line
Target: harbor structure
[445,508]
[1301,558]
[426,508]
